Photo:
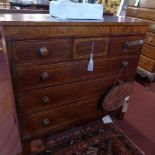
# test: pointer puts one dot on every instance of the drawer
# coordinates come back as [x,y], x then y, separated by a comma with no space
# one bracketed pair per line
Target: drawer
[148,51]
[83,47]
[55,96]
[35,77]
[52,119]
[147,4]
[125,45]
[143,13]
[150,39]
[147,64]
[44,50]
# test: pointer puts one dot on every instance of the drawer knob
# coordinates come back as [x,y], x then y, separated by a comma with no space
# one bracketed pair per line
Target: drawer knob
[124,64]
[45,100]
[44,76]
[149,39]
[153,26]
[134,12]
[44,51]
[46,122]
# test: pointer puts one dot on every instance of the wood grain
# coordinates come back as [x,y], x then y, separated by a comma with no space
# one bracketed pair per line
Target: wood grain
[30,51]
[9,134]
[148,15]
[147,63]
[30,78]
[148,51]
[142,13]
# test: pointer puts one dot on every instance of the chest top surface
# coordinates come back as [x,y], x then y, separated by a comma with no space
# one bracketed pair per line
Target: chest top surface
[42,19]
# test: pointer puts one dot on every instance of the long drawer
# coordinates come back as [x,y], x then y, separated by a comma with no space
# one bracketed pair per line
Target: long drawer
[55,96]
[40,50]
[149,51]
[53,119]
[34,77]
[143,13]
[147,63]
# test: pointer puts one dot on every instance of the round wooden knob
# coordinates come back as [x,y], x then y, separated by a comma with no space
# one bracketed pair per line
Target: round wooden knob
[44,51]
[44,76]
[149,39]
[153,26]
[134,12]
[46,122]
[124,63]
[45,100]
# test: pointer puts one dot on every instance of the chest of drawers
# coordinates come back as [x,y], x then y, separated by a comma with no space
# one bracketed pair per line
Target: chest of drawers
[146,13]
[53,90]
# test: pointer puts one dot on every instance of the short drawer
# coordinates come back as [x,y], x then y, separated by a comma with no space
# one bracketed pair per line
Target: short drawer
[50,120]
[147,63]
[40,50]
[150,39]
[148,51]
[125,45]
[83,47]
[55,96]
[30,78]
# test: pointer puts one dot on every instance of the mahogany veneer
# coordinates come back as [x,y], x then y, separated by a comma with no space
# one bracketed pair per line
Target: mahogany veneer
[48,61]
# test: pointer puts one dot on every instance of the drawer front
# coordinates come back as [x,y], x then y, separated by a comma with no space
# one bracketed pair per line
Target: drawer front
[55,119]
[55,96]
[148,51]
[83,47]
[147,63]
[45,50]
[148,14]
[147,4]
[27,79]
[150,39]
[125,45]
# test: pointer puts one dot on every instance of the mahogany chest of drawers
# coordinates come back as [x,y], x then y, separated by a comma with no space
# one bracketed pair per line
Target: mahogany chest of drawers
[53,90]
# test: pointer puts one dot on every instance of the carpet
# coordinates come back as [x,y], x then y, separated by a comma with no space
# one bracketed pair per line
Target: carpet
[92,139]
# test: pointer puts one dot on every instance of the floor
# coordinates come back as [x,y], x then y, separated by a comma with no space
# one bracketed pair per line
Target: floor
[139,121]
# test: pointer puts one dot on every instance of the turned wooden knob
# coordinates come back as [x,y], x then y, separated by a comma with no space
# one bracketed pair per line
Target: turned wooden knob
[46,122]
[153,26]
[149,39]
[124,63]
[43,51]
[45,100]
[134,12]
[44,76]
